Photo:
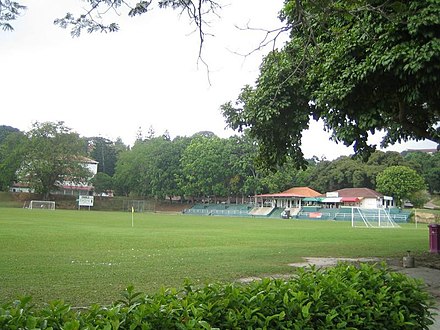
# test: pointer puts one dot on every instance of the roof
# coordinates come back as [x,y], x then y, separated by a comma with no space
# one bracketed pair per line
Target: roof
[429,151]
[84,159]
[299,192]
[358,192]
[302,191]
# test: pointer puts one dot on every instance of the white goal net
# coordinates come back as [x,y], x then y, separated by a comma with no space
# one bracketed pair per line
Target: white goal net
[372,218]
[42,205]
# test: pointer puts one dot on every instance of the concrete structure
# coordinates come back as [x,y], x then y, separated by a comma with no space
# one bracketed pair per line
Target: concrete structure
[364,198]
[291,198]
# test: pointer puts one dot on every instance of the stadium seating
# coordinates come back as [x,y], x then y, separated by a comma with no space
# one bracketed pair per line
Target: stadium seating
[306,212]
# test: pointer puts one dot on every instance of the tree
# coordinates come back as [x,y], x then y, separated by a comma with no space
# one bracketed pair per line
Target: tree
[362,67]
[246,177]
[125,179]
[275,112]
[400,182]
[343,172]
[419,198]
[105,152]
[5,131]
[151,168]
[347,172]
[163,166]
[9,11]
[52,154]
[427,165]
[206,170]
[379,161]
[12,142]
[102,182]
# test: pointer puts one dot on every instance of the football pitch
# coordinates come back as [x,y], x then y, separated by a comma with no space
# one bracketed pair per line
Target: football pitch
[85,257]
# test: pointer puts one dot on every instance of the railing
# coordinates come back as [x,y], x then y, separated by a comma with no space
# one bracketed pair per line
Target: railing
[217,212]
[322,214]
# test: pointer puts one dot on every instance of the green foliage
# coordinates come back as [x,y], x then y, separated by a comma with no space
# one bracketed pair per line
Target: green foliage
[348,172]
[400,182]
[150,168]
[345,296]
[206,170]
[427,165]
[105,152]
[276,111]
[361,67]
[52,154]
[102,182]
[419,198]
[12,143]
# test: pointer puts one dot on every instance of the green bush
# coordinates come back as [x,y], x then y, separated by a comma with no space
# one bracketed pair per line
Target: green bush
[342,297]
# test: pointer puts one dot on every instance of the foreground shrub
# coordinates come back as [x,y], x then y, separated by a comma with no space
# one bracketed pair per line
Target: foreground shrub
[342,297]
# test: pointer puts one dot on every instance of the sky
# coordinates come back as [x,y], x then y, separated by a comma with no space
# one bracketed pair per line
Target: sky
[146,75]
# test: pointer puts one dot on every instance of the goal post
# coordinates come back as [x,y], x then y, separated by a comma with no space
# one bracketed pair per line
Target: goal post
[372,218]
[42,205]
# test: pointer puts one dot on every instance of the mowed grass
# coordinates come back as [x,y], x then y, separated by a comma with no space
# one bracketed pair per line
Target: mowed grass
[85,257]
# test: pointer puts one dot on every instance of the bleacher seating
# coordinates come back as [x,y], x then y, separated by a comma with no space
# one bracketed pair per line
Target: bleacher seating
[306,212]
[219,209]
[261,211]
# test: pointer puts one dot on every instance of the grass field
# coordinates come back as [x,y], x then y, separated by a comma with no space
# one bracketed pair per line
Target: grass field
[84,256]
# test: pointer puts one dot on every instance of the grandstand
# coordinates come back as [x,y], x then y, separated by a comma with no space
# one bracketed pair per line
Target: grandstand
[304,213]
[220,209]
[306,203]
[345,214]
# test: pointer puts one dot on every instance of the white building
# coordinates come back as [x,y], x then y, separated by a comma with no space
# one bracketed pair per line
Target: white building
[67,187]
[81,188]
[364,198]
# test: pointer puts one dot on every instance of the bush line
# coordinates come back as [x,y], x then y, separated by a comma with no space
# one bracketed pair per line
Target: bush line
[341,297]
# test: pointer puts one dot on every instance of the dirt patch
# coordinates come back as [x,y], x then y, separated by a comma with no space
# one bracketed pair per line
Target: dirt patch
[328,262]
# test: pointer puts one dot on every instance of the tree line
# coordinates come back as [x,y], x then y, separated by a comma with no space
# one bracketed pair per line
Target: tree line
[202,166]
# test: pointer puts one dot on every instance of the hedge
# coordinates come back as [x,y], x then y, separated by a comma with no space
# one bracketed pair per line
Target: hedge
[342,297]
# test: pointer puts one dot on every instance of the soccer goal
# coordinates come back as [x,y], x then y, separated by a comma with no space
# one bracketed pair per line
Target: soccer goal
[42,205]
[372,218]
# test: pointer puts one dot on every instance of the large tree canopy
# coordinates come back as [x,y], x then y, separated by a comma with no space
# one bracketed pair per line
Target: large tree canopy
[11,154]
[400,182]
[361,66]
[53,154]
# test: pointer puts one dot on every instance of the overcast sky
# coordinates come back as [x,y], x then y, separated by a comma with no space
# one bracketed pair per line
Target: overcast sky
[146,75]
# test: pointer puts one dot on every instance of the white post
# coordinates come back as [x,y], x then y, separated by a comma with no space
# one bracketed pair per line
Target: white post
[132,217]
[352,216]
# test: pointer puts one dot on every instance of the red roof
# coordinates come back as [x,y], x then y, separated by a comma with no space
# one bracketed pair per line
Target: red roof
[299,192]
[358,192]
[73,187]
